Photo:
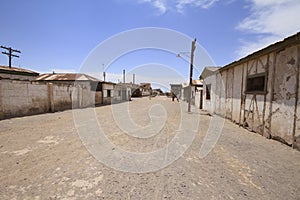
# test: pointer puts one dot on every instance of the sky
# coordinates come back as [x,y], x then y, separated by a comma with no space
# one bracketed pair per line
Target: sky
[95,35]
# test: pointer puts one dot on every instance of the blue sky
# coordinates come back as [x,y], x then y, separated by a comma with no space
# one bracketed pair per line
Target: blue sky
[60,35]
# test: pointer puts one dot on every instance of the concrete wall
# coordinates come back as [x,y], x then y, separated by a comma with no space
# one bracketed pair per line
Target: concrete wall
[20,97]
[199,98]
[121,93]
[210,104]
[273,113]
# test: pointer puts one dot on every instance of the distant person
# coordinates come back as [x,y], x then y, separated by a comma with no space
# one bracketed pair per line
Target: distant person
[174,96]
[150,94]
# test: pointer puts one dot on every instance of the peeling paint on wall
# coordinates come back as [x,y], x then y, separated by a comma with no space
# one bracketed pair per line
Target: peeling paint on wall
[272,112]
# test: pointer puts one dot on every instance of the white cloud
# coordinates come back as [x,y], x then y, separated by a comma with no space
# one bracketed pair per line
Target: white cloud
[270,20]
[178,5]
[248,47]
[159,4]
[205,4]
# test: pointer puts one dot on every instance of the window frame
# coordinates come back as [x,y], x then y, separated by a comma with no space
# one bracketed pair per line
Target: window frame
[253,76]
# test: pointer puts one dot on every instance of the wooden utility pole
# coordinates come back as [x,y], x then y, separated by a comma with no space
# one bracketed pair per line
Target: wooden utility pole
[191,73]
[123,75]
[10,53]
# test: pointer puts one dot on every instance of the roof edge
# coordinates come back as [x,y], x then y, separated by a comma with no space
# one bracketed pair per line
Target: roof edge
[291,40]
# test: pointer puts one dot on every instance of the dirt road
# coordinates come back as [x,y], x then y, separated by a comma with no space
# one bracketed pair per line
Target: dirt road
[42,157]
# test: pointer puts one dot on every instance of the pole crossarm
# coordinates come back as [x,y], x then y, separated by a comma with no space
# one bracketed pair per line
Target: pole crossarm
[10,53]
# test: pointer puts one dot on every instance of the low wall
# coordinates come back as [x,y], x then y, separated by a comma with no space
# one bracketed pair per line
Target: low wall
[21,97]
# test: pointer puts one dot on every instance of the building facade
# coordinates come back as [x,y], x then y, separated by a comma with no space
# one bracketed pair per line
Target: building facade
[260,91]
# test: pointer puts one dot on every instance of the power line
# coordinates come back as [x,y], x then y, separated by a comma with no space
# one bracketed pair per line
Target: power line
[10,53]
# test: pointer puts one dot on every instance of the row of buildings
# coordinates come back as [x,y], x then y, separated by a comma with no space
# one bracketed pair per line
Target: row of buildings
[25,92]
[259,92]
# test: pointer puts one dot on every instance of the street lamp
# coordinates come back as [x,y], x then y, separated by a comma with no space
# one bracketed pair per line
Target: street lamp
[191,71]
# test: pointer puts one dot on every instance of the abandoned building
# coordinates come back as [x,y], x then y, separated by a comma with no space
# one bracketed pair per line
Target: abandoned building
[107,89]
[182,92]
[124,91]
[146,89]
[15,73]
[176,89]
[67,90]
[260,91]
[143,89]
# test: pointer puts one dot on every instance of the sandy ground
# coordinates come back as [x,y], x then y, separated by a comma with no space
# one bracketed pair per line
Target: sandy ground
[42,157]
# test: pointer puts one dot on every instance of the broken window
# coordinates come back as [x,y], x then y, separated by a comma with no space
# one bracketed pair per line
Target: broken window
[208,87]
[108,93]
[256,83]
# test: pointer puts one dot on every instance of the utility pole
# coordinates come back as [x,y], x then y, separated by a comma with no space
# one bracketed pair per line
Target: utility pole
[191,73]
[133,78]
[10,54]
[123,75]
[104,74]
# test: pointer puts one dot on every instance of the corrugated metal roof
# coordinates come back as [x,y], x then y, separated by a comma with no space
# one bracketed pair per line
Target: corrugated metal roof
[16,70]
[66,77]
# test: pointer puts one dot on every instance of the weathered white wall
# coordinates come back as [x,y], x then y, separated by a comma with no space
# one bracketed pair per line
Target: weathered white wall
[297,121]
[20,97]
[285,90]
[62,95]
[121,93]
[273,114]
[238,88]
[105,87]
[209,105]
[229,92]
[198,98]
